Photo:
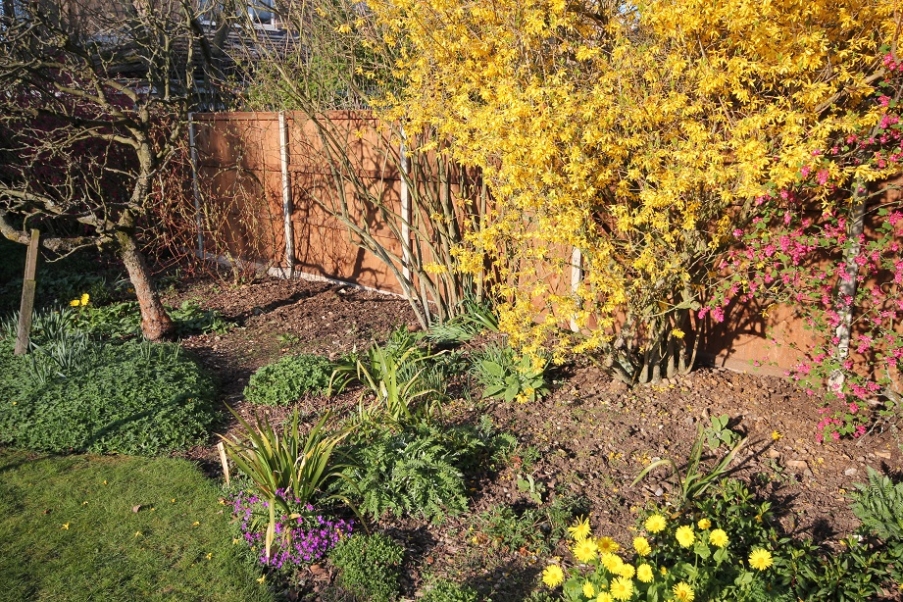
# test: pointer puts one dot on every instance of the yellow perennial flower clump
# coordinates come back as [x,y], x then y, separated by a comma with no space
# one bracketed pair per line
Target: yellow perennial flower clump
[760,559]
[622,144]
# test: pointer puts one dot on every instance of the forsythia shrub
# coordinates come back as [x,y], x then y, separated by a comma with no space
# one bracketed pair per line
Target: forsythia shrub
[638,134]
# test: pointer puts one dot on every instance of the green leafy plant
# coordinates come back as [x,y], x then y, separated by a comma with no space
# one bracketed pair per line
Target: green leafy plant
[290,462]
[123,320]
[532,529]
[879,505]
[693,482]
[415,470]
[369,566]
[398,374]
[718,433]
[111,400]
[444,590]
[288,379]
[505,376]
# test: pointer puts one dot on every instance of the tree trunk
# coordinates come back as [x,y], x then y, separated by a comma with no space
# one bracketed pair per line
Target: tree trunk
[155,323]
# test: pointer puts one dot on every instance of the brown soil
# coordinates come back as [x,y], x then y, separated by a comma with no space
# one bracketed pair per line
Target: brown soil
[593,435]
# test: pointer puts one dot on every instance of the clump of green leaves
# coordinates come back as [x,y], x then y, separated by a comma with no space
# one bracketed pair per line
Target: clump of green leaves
[449,591]
[504,375]
[123,320]
[534,529]
[413,470]
[288,379]
[879,505]
[369,565]
[137,398]
[719,433]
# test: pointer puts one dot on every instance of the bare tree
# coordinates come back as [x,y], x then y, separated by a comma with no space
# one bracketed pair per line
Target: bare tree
[94,100]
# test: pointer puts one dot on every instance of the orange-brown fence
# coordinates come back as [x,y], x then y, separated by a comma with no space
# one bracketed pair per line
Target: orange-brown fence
[264,184]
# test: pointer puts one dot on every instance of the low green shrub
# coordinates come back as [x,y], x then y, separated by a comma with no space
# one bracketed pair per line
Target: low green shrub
[288,379]
[504,375]
[449,591]
[123,320]
[137,398]
[369,565]
[535,529]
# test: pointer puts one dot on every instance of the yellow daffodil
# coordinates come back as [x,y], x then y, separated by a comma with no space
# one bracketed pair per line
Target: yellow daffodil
[760,559]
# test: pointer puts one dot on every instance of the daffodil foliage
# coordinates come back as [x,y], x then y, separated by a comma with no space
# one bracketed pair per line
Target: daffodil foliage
[637,133]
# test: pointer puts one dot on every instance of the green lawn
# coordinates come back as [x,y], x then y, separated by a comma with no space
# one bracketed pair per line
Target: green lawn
[69,531]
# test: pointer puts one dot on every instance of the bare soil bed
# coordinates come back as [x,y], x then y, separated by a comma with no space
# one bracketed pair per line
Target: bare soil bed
[590,437]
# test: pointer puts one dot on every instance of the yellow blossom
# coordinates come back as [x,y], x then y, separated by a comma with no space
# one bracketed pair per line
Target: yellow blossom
[607,544]
[760,559]
[621,588]
[641,545]
[683,592]
[589,590]
[585,550]
[704,523]
[85,299]
[553,576]
[685,536]
[604,597]
[775,435]
[580,530]
[655,523]
[261,579]
[718,538]
[644,573]
[612,562]
[627,571]
[65,527]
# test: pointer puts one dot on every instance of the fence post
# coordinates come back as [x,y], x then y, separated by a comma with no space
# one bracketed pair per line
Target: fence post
[286,197]
[28,288]
[576,277]
[192,144]
[405,198]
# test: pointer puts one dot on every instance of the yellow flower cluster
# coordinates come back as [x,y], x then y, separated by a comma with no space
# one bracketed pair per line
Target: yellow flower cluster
[81,301]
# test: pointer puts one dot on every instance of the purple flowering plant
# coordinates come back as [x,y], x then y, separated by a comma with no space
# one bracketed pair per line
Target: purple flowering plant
[302,536]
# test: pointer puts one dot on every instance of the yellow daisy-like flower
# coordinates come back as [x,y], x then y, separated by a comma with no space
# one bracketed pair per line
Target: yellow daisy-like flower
[704,523]
[75,303]
[655,523]
[627,571]
[589,590]
[580,530]
[641,545]
[553,576]
[607,544]
[85,299]
[718,538]
[685,536]
[644,573]
[585,550]
[683,592]
[604,597]
[760,559]
[612,562]
[776,435]
[622,589]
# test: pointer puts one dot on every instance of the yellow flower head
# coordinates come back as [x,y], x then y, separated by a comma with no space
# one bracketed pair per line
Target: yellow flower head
[585,550]
[604,597]
[644,573]
[704,523]
[683,592]
[622,589]
[627,571]
[589,590]
[85,299]
[685,536]
[641,545]
[580,530]
[607,544]
[553,576]
[718,538]
[75,303]
[775,435]
[655,523]
[612,562]
[760,559]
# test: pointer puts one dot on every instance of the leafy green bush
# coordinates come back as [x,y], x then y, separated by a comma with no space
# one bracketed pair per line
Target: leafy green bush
[416,470]
[288,379]
[369,566]
[505,376]
[122,320]
[137,398]
[449,591]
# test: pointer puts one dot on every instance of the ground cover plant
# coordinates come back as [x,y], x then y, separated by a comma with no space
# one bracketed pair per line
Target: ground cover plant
[288,379]
[117,529]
